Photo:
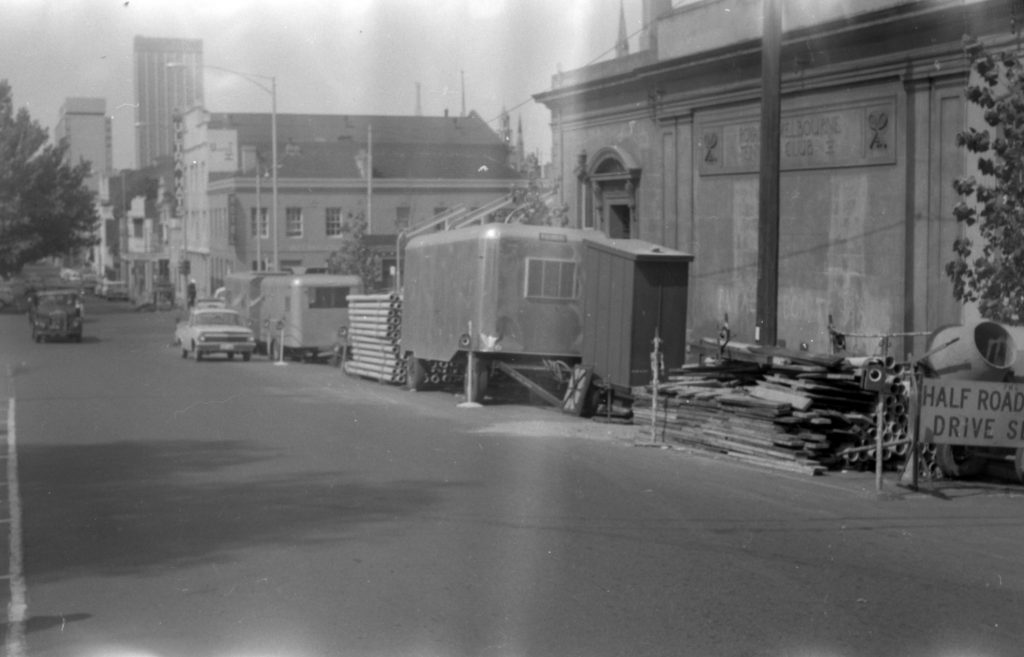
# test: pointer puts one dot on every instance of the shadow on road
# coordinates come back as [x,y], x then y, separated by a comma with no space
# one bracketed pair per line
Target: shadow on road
[127,507]
[40,623]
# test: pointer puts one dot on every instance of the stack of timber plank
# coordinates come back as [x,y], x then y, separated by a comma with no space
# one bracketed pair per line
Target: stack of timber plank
[374,335]
[791,410]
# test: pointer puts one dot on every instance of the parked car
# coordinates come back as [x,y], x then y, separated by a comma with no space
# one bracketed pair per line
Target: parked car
[210,302]
[89,281]
[214,331]
[10,293]
[56,314]
[112,290]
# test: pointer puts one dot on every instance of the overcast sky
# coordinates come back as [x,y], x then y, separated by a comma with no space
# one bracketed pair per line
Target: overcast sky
[329,56]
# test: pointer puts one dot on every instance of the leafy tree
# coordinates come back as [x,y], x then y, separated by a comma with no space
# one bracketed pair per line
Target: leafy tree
[991,272]
[355,258]
[533,205]
[45,210]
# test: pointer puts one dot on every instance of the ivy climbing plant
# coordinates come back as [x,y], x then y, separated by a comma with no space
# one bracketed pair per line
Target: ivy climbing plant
[988,264]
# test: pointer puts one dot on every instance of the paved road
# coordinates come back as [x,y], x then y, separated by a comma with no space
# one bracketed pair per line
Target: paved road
[223,509]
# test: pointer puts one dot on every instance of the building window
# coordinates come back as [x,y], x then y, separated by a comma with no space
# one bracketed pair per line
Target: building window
[136,227]
[402,217]
[550,279]
[332,222]
[293,222]
[264,231]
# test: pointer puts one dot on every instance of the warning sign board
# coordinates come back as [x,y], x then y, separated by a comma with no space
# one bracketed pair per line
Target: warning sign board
[976,413]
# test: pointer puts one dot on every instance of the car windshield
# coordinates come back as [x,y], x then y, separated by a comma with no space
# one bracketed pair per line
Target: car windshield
[211,319]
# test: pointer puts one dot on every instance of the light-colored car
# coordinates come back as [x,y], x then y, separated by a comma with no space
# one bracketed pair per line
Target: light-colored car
[112,290]
[210,302]
[214,331]
[89,280]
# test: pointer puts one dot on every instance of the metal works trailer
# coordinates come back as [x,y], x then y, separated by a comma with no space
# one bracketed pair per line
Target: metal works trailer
[301,316]
[496,295]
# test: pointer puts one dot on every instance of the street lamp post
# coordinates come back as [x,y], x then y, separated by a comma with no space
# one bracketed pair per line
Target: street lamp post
[259,218]
[273,164]
[272,90]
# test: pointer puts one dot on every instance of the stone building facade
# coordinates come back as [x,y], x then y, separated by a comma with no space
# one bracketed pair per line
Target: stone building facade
[663,144]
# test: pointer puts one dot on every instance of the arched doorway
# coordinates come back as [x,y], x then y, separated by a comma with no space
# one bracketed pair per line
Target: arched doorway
[608,185]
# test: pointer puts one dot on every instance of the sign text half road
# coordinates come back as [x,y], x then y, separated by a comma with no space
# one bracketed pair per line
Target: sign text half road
[972,413]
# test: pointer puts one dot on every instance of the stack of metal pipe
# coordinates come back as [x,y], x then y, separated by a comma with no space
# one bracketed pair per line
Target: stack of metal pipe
[374,337]
[444,372]
[892,382]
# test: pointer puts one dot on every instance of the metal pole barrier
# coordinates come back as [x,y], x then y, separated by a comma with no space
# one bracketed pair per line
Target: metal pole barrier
[280,347]
[655,369]
[879,430]
[912,419]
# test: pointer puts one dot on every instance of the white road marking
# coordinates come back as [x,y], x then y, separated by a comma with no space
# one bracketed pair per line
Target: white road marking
[17,612]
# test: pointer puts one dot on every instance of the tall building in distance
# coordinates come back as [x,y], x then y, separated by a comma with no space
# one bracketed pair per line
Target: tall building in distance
[86,126]
[160,90]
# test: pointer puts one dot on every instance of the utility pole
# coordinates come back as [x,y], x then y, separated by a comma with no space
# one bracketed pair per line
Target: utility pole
[369,179]
[259,219]
[273,167]
[766,329]
[123,229]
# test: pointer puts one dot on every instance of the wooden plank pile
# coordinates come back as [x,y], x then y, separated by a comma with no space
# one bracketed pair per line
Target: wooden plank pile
[792,410]
[374,335]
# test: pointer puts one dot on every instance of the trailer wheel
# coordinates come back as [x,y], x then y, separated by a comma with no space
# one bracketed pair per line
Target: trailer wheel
[957,461]
[415,372]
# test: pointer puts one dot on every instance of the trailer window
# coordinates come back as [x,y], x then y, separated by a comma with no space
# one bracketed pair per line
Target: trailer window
[550,279]
[328,297]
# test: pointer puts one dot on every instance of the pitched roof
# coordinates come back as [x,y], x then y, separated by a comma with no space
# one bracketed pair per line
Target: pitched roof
[461,130]
[345,159]
[413,147]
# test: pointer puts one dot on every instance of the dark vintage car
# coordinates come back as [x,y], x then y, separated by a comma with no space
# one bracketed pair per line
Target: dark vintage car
[56,314]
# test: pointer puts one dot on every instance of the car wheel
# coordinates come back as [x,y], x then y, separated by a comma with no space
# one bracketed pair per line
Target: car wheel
[231,356]
[184,352]
[78,338]
[196,353]
[36,336]
[247,357]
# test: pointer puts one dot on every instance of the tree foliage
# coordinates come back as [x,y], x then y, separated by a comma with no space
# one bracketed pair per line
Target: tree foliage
[989,270]
[534,205]
[45,209]
[355,258]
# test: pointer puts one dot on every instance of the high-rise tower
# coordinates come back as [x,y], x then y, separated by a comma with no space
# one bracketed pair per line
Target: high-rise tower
[86,126]
[160,90]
